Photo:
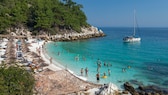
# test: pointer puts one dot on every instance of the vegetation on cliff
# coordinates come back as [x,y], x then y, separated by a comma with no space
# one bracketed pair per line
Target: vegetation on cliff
[46,15]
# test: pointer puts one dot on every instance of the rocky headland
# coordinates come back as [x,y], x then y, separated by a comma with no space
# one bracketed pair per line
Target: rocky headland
[85,33]
[65,35]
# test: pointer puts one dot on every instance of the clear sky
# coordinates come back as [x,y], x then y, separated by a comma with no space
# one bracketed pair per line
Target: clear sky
[117,13]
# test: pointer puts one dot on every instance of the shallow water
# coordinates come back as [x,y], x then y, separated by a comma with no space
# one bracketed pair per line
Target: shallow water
[146,62]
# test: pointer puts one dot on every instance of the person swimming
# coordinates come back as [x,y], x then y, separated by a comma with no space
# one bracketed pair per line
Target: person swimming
[76,58]
[104,75]
[123,69]
[109,72]
[104,63]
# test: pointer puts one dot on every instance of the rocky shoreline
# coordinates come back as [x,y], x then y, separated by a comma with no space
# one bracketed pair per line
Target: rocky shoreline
[145,90]
[86,33]
[62,35]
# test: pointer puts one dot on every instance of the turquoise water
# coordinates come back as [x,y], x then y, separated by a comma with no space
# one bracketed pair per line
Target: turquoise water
[146,62]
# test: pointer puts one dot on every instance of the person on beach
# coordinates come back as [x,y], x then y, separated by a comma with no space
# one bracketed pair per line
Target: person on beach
[39,51]
[98,77]
[50,60]
[81,71]
[86,71]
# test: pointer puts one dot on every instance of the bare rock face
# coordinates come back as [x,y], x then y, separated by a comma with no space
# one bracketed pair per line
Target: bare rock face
[86,33]
[154,90]
[145,90]
[130,88]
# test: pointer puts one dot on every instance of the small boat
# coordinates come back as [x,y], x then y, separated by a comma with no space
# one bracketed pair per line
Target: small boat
[132,38]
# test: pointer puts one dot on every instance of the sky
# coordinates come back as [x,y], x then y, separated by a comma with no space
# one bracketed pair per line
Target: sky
[120,13]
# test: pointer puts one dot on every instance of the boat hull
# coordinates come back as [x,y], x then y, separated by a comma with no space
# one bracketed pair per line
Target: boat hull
[132,39]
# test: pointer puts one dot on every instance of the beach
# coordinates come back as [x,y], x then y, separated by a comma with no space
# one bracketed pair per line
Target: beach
[58,79]
[50,76]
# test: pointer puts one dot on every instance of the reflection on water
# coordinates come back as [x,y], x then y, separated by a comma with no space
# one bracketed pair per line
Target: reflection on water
[132,43]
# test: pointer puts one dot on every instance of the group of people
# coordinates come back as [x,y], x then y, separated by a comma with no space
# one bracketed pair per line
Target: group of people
[99,63]
[76,58]
[98,70]
[86,71]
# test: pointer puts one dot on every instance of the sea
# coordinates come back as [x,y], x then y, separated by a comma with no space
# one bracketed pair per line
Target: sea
[140,63]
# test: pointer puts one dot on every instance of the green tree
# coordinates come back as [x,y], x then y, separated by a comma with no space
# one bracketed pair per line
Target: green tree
[16,81]
[46,15]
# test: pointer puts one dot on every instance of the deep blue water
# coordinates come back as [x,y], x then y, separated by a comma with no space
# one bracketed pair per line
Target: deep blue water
[146,61]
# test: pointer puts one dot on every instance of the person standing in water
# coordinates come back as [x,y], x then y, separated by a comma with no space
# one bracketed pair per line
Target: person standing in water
[81,71]
[86,71]
[109,72]
[98,77]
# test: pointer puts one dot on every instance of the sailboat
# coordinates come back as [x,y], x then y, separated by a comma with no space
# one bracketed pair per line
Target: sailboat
[132,38]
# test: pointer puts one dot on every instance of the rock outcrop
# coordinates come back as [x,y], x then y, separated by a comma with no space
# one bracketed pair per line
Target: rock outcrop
[145,90]
[86,33]
[130,88]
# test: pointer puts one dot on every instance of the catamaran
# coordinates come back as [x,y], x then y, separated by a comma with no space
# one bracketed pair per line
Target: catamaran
[132,38]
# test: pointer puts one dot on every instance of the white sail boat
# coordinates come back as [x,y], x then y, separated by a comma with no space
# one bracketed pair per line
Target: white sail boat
[132,38]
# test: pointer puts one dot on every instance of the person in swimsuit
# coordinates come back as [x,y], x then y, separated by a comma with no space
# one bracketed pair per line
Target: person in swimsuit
[98,77]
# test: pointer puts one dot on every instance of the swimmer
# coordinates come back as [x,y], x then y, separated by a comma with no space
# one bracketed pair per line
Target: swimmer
[109,72]
[58,53]
[104,73]
[98,61]
[123,69]
[98,69]
[104,63]
[81,71]
[109,64]
[84,59]
[86,71]
[104,76]
[76,58]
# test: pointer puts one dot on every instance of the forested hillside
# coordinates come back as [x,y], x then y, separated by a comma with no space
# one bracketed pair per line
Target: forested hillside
[46,15]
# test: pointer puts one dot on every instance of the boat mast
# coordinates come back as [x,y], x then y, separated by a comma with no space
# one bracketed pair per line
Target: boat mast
[134,22]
